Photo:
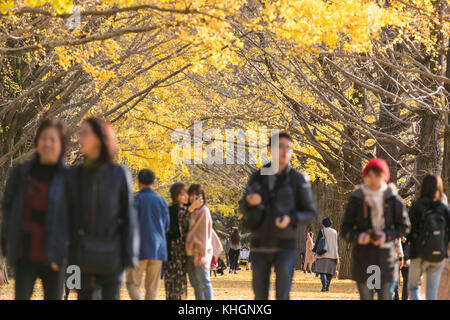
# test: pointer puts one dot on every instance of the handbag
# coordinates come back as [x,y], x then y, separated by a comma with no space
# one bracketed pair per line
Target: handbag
[99,255]
[322,245]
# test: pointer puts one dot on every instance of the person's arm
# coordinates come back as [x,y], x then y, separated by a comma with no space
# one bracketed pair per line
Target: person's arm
[129,222]
[349,222]
[196,239]
[166,215]
[251,214]
[244,206]
[402,225]
[320,235]
[7,200]
[305,210]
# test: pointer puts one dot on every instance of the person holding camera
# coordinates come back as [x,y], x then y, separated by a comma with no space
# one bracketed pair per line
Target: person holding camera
[202,244]
[374,218]
[273,206]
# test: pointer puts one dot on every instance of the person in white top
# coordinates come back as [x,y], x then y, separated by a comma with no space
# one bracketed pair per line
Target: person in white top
[326,263]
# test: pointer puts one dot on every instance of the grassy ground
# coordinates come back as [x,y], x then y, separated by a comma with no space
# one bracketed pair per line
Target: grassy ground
[237,287]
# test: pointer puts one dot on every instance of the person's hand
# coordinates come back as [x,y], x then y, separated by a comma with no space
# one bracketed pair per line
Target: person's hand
[282,222]
[400,263]
[54,266]
[364,238]
[406,263]
[253,199]
[197,203]
[381,238]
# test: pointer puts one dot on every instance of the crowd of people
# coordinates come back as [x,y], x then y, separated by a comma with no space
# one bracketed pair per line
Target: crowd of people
[87,215]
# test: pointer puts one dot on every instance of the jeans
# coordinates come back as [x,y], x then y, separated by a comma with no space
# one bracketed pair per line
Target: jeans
[433,270]
[284,262]
[200,280]
[26,274]
[386,291]
[100,287]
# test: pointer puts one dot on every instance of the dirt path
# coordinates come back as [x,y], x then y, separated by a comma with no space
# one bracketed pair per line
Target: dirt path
[238,287]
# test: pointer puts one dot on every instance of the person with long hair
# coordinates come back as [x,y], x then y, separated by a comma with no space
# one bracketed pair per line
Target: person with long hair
[175,268]
[202,244]
[105,237]
[235,249]
[429,211]
[35,233]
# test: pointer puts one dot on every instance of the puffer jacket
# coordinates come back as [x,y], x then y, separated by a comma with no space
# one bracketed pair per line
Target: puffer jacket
[56,241]
[290,196]
[102,204]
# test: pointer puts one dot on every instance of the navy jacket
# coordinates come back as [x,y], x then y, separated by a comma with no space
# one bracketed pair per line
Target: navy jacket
[154,221]
[102,204]
[56,241]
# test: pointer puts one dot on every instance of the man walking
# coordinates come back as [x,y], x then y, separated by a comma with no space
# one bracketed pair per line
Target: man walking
[272,207]
[153,215]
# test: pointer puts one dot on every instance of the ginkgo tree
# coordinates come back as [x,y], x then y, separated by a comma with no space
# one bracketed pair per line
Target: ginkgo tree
[349,79]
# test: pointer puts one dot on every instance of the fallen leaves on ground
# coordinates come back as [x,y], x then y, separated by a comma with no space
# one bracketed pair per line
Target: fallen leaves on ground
[235,287]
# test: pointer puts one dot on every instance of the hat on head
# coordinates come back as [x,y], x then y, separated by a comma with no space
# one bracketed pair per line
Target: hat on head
[379,164]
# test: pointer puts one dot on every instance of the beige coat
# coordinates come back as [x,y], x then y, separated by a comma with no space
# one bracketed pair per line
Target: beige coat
[332,244]
[309,255]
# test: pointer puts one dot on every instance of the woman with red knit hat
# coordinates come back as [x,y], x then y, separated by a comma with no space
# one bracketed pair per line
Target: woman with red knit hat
[374,218]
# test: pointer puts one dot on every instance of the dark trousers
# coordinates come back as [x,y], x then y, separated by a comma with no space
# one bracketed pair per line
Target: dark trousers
[284,262]
[234,257]
[325,278]
[404,273]
[100,287]
[27,272]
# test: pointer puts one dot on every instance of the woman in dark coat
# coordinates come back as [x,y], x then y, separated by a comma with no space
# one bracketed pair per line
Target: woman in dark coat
[35,235]
[374,218]
[175,279]
[105,237]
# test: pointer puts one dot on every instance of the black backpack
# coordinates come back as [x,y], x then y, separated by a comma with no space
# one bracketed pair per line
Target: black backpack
[432,239]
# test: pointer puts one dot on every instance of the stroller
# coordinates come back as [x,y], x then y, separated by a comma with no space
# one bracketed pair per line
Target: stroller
[244,257]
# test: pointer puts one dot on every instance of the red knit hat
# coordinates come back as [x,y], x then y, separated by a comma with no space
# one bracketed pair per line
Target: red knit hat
[380,164]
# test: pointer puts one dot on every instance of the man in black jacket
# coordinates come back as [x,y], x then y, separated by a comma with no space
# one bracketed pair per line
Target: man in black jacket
[276,200]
